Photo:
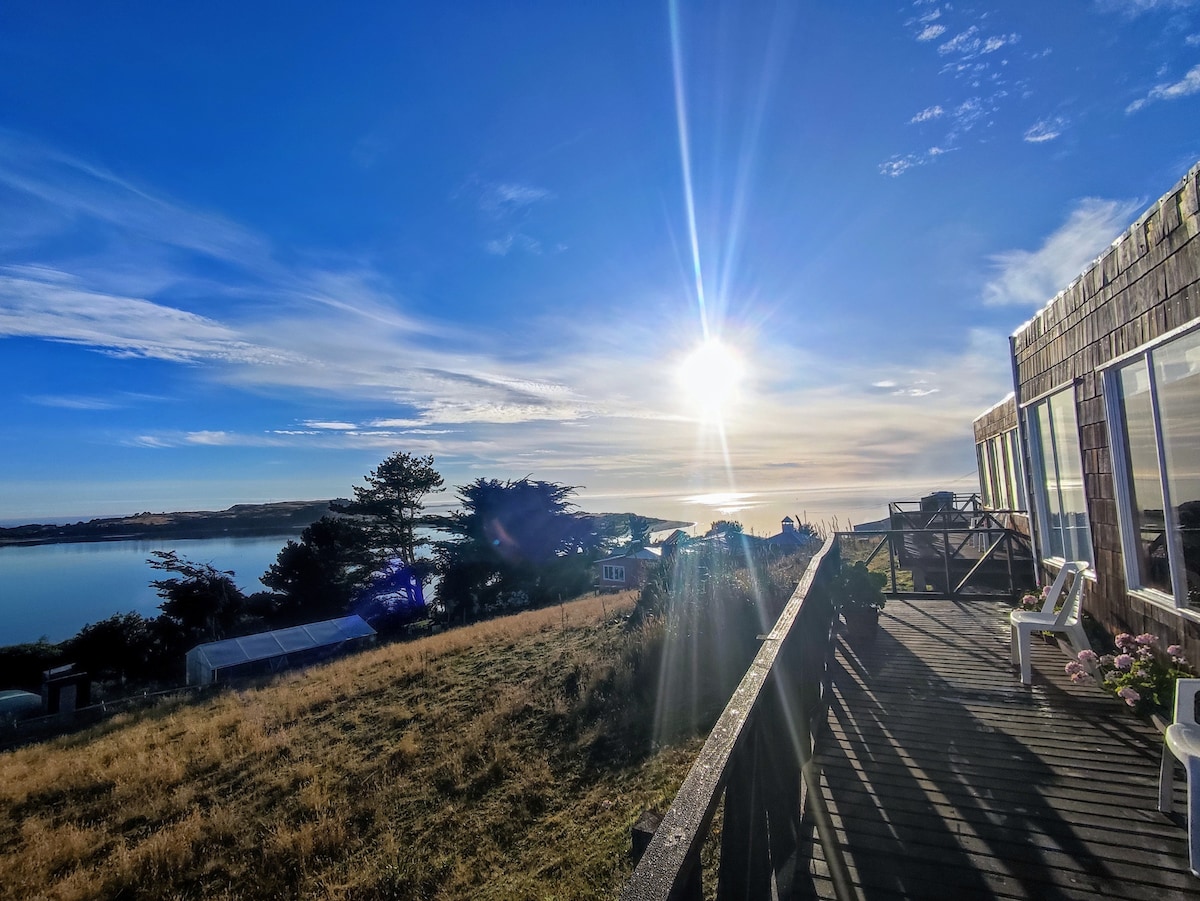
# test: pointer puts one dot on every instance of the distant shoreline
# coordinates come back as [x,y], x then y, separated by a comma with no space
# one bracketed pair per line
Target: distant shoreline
[239,521]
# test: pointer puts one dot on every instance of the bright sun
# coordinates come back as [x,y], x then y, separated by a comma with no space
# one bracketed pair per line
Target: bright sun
[710,376]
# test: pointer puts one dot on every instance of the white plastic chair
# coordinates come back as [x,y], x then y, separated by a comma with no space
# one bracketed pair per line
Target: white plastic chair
[1182,741]
[1023,623]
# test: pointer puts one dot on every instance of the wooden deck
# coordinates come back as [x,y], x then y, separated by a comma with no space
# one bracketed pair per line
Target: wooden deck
[946,778]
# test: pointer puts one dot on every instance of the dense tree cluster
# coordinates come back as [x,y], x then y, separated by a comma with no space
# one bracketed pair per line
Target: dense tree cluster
[514,539]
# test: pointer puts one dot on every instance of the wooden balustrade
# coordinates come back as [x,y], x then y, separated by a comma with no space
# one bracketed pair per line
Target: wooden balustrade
[756,758]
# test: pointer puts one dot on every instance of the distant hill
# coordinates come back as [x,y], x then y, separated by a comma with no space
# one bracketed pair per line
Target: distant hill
[280,518]
[240,520]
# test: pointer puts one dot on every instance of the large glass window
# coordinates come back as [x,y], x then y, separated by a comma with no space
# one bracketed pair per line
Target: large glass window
[1146,518]
[1058,478]
[1016,478]
[999,476]
[985,474]
[1177,372]
[1156,440]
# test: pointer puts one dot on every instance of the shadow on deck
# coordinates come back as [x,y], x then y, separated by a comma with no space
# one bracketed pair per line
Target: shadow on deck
[946,778]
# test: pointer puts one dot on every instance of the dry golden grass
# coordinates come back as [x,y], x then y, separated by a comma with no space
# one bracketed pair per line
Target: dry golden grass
[471,764]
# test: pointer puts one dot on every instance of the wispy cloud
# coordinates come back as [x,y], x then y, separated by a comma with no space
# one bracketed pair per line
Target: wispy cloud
[1185,87]
[930,112]
[330,425]
[58,310]
[514,241]
[504,208]
[511,195]
[73,402]
[1033,277]
[898,165]
[1046,130]
[996,42]
[1134,8]
[963,42]
[973,59]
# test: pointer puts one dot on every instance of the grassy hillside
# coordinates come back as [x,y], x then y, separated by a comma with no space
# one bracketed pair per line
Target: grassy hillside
[506,760]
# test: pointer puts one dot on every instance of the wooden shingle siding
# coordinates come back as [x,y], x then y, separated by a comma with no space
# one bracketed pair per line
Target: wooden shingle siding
[996,421]
[1145,285]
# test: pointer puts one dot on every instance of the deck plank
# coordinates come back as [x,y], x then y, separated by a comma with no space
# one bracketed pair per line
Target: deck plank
[946,778]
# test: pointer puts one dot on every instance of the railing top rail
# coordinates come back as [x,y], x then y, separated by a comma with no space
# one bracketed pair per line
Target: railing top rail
[958,503]
[686,821]
[932,530]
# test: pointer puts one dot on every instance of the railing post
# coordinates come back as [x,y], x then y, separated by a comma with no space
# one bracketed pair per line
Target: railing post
[692,888]
[892,562]
[946,556]
[745,863]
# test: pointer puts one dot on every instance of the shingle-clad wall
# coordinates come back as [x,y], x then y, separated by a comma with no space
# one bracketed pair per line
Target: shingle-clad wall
[1146,284]
[996,421]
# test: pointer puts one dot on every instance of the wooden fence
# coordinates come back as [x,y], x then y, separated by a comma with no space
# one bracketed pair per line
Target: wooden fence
[757,759]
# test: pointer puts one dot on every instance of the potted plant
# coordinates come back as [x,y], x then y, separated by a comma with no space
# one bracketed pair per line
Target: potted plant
[859,594]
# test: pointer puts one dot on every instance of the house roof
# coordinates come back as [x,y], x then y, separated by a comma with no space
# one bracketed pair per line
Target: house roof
[646,553]
[790,539]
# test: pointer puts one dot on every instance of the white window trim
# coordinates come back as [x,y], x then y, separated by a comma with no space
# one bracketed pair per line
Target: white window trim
[613,573]
[1038,465]
[1130,549]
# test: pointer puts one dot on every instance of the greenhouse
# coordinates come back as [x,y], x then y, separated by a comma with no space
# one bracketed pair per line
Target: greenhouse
[270,652]
[16,705]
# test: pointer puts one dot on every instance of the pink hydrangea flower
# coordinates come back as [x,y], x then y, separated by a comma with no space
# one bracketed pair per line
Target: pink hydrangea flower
[1073,668]
[1174,650]
[1130,695]
[1125,641]
[1123,661]
[1146,639]
[1079,677]
[1107,660]
[1088,656]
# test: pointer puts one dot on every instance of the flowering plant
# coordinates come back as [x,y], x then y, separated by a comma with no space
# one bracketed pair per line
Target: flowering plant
[1033,600]
[1137,673]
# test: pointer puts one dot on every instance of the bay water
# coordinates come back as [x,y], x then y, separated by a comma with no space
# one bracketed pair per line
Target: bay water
[53,590]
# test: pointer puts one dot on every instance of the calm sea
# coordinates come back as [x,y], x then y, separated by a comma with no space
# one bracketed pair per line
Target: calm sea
[53,590]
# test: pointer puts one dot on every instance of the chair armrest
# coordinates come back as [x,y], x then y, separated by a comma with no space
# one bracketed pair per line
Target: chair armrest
[1185,700]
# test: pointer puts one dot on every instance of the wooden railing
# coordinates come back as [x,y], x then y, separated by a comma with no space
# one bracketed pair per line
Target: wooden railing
[758,759]
[949,551]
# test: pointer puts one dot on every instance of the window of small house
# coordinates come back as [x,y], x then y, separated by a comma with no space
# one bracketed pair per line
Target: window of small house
[1155,431]
[1058,478]
[613,573]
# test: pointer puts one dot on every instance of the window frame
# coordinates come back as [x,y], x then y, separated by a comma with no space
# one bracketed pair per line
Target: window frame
[1038,498]
[612,573]
[1177,601]
[1000,476]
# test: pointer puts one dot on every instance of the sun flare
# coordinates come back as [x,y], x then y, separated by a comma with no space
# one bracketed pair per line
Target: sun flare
[711,375]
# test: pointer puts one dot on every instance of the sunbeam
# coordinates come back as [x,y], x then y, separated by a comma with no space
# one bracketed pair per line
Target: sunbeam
[685,161]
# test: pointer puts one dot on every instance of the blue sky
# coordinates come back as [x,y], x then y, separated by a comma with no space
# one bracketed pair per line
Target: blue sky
[247,250]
